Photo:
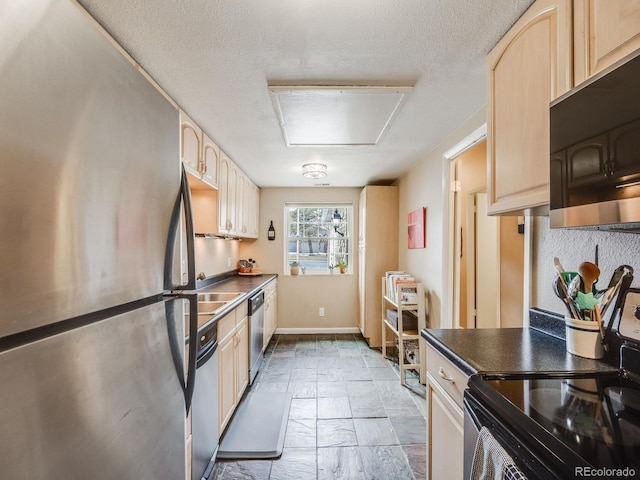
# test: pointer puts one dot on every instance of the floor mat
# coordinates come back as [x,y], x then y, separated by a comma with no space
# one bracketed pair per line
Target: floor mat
[258,426]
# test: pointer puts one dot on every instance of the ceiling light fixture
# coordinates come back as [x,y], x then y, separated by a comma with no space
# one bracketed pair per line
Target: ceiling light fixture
[314,170]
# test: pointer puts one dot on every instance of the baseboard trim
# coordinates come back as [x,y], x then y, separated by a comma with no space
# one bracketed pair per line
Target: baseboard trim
[311,331]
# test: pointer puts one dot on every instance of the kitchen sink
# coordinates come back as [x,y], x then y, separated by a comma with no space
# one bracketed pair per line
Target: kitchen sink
[218,296]
[209,308]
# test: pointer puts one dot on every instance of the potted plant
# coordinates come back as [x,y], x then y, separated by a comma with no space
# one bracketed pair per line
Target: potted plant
[331,267]
[342,266]
[295,268]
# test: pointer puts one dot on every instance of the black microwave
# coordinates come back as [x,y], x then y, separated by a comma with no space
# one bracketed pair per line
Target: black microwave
[595,152]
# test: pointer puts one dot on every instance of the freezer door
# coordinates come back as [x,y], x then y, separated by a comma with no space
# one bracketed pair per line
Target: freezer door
[90,170]
[101,402]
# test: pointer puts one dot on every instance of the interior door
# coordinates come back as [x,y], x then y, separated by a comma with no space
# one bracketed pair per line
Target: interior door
[487,279]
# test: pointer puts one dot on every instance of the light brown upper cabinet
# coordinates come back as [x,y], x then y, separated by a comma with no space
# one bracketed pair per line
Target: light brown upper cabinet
[190,138]
[250,208]
[247,206]
[241,188]
[238,201]
[604,32]
[529,67]
[198,152]
[227,176]
[554,46]
[210,157]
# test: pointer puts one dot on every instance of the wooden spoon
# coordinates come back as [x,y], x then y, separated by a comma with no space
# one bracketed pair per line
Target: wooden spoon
[589,273]
[598,316]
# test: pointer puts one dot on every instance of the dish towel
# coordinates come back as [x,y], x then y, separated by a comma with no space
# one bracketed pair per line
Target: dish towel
[491,461]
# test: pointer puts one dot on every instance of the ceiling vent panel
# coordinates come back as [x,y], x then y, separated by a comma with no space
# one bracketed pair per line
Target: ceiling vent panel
[336,116]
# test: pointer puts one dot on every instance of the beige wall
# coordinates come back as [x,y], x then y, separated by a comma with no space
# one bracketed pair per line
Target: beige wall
[301,297]
[423,186]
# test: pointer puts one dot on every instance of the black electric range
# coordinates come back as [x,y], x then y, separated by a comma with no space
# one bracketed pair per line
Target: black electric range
[567,425]
[571,425]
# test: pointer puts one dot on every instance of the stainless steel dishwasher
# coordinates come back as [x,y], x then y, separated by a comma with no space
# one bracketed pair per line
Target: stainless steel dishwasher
[204,409]
[256,333]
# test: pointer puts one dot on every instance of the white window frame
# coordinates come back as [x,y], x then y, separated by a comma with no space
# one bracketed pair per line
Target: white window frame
[305,259]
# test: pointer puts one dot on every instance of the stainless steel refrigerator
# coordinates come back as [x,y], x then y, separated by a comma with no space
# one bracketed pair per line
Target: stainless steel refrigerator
[93,383]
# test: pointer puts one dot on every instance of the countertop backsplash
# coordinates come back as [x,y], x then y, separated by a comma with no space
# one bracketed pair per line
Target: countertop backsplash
[216,255]
[547,322]
[573,247]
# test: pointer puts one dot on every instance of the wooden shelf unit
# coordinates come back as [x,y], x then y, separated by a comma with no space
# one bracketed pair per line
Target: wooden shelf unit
[401,333]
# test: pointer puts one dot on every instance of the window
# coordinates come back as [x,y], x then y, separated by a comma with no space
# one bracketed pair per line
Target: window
[318,236]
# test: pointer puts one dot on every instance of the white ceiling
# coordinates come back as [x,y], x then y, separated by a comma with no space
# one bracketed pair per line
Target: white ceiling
[216,59]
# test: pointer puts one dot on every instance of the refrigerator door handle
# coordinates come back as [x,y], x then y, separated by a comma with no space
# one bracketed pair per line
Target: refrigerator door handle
[193,348]
[183,200]
[187,383]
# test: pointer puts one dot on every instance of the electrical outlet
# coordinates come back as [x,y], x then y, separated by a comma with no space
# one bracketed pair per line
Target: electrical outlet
[321,312]
[228,261]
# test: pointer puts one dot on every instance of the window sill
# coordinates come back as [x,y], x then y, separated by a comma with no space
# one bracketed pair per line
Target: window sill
[316,274]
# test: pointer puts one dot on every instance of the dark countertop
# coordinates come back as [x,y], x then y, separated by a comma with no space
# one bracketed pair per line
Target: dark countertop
[246,284]
[501,350]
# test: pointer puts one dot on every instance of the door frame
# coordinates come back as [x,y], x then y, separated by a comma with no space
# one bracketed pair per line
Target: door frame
[451,242]
[451,313]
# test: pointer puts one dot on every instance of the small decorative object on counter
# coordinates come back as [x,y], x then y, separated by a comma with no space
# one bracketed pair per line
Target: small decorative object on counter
[245,266]
[294,268]
[248,267]
[271,233]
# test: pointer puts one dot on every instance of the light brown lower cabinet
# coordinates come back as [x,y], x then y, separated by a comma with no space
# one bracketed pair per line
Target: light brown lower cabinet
[242,356]
[233,357]
[270,311]
[445,418]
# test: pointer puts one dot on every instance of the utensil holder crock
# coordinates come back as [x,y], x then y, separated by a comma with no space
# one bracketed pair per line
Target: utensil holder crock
[583,338]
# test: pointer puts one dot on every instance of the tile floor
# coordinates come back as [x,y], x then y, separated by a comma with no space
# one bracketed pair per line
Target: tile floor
[350,418]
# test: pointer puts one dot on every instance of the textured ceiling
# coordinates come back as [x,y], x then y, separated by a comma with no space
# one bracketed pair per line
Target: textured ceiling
[215,58]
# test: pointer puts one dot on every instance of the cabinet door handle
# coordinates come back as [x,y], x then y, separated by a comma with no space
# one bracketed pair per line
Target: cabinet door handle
[443,375]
